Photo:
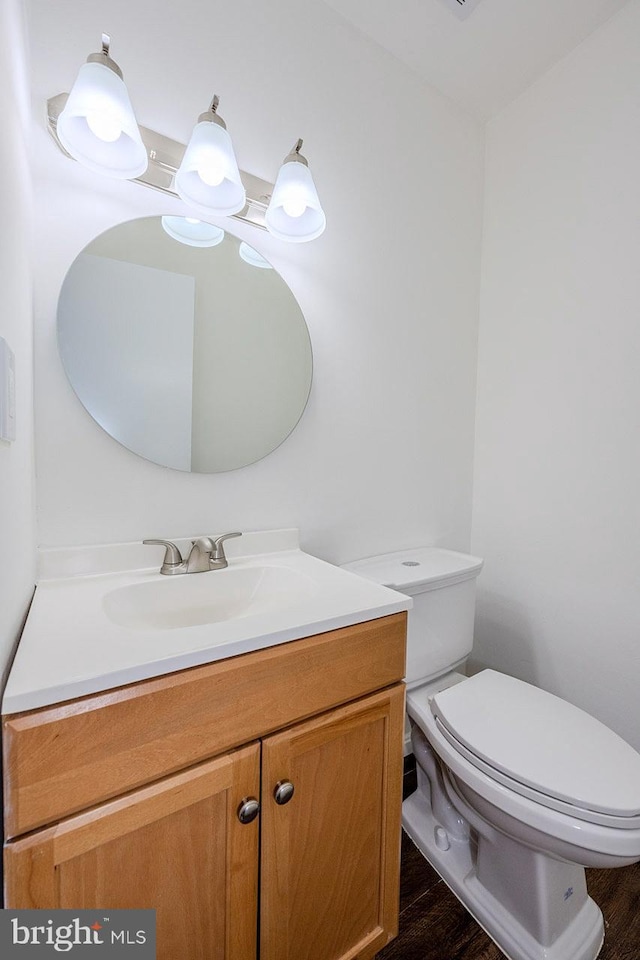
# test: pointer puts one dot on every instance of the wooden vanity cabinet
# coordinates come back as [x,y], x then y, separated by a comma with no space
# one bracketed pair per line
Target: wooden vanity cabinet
[313,878]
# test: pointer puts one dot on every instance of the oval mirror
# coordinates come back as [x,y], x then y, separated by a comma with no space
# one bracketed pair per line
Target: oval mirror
[184,344]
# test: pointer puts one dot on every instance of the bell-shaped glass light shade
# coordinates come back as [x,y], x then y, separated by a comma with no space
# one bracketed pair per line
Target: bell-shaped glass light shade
[294,212]
[251,256]
[208,179]
[98,127]
[194,233]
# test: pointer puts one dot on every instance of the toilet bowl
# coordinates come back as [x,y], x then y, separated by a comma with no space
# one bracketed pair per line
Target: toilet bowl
[528,818]
[518,790]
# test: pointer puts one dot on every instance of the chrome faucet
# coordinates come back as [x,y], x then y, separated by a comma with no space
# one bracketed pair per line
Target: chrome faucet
[205,554]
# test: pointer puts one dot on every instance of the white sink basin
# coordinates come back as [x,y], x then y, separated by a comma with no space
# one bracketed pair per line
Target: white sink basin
[196,599]
[92,631]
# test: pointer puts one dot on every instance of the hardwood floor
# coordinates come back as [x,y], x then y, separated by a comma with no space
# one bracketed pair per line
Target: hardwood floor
[434,925]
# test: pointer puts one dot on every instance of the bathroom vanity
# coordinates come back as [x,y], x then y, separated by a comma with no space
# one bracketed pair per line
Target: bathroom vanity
[254,801]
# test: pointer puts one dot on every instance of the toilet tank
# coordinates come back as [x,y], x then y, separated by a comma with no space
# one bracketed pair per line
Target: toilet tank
[443,586]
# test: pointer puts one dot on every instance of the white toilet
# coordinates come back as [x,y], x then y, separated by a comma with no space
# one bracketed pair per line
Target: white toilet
[518,790]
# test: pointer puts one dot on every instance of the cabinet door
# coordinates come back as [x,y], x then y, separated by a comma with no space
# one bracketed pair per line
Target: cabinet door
[330,855]
[176,846]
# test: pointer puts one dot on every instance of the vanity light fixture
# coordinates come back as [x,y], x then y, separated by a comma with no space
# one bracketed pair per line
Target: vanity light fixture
[208,178]
[97,126]
[192,232]
[294,212]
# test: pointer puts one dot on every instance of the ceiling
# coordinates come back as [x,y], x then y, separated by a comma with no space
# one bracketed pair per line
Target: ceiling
[486,60]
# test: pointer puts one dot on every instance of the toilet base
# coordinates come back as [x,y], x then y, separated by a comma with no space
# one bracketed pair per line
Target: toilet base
[456,860]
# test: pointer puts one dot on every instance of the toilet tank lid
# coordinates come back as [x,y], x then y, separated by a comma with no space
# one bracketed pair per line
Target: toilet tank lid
[419,569]
[541,741]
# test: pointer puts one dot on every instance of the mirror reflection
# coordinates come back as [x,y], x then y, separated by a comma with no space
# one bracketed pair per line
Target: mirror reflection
[184,344]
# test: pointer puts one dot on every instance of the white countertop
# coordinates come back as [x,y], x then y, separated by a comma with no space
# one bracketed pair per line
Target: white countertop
[71,646]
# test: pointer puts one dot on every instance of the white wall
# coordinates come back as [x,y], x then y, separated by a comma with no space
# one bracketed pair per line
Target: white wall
[557,469]
[17,523]
[382,457]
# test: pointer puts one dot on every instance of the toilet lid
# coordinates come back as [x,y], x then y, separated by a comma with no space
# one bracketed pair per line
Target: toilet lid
[541,742]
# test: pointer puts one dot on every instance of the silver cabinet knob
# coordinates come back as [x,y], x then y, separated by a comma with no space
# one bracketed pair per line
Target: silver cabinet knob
[248,810]
[283,791]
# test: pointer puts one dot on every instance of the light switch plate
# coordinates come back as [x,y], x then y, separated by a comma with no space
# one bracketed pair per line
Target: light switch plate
[7,392]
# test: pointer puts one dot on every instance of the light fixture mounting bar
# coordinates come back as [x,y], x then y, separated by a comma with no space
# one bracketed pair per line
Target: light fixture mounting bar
[164,159]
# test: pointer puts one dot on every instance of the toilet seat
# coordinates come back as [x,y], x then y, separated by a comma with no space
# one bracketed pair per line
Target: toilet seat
[552,803]
[541,747]
[510,763]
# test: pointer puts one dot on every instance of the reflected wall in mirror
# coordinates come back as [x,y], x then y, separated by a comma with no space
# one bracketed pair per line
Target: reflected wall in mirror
[184,344]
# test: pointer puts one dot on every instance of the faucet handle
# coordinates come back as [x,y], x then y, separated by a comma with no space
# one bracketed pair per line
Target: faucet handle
[172,555]
[218,559]
[218,549]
